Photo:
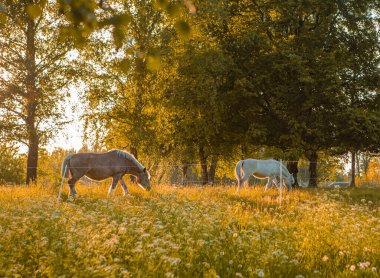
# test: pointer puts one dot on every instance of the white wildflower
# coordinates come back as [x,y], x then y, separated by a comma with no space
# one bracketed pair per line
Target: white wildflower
[363,265]
[206,264]
[260,272]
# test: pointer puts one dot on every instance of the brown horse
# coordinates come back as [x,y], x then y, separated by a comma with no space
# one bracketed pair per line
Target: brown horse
[113,164]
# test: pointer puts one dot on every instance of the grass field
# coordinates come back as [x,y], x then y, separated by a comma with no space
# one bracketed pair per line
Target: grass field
[189,232]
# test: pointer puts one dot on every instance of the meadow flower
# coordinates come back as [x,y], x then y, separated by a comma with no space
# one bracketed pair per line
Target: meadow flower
[172,260]
[363,265]
[294,261]
[260,272]
[325,258]
[278,253]
[299,276]
[238,274]
[206,264]
[373,269]
[200,242]
[352,268]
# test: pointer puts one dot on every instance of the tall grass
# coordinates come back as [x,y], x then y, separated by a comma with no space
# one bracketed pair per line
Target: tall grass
[182,232]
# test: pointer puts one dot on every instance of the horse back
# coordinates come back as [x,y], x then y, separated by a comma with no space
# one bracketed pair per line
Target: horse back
[97,166]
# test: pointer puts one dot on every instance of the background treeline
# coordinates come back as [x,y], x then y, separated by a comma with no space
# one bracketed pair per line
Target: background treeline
[208,82]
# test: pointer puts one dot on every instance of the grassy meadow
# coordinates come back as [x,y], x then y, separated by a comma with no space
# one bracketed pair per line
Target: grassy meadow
[189,232]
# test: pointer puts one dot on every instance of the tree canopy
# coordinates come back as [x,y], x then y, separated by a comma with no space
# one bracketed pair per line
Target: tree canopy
[196,80]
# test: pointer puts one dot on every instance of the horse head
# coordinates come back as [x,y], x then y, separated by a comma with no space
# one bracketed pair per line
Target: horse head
[289,181]
[143,179]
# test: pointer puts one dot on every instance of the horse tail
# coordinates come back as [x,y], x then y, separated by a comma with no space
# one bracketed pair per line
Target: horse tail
[239,170]
[66,163]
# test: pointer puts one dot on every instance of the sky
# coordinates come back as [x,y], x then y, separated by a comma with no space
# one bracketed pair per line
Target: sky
[71,135]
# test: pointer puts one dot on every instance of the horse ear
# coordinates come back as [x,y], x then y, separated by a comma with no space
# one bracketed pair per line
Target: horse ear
[144,170]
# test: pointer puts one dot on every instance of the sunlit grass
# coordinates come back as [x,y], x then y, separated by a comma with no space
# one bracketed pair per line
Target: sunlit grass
[191,231]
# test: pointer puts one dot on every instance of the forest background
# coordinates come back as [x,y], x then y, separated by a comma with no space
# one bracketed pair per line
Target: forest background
[184,82]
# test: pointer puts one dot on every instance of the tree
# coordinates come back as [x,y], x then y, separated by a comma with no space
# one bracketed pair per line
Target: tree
[11,165]
[34,69]
[195,98]
[295,81]
[357,127]
[121,98]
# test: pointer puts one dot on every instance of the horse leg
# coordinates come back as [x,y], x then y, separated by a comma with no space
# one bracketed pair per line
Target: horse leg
[71,183]
[115,180]
[126,192]
[240,183]
[275,182]
[269,183]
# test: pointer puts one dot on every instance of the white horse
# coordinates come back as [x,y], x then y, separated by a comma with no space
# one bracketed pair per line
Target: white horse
[262,169]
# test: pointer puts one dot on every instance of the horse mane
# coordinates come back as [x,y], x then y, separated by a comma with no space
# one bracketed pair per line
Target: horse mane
[129,157]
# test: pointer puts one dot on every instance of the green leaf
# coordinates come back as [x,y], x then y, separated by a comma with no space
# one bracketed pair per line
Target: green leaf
[125,65]
[183,29]
[118,37]
[121,19]
[3,19]
[173,10]
[153,63]
[161,4]
[34,11]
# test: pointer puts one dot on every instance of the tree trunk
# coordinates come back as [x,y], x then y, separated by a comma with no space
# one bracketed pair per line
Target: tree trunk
[32,96]
[32,161]
[312,156]
[212,171]
[243,151]
[353,162]
[293,169]
[357,161]
[203,160]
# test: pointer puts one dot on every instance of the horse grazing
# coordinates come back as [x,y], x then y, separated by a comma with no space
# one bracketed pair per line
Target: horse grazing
[98,167]
[262,169]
